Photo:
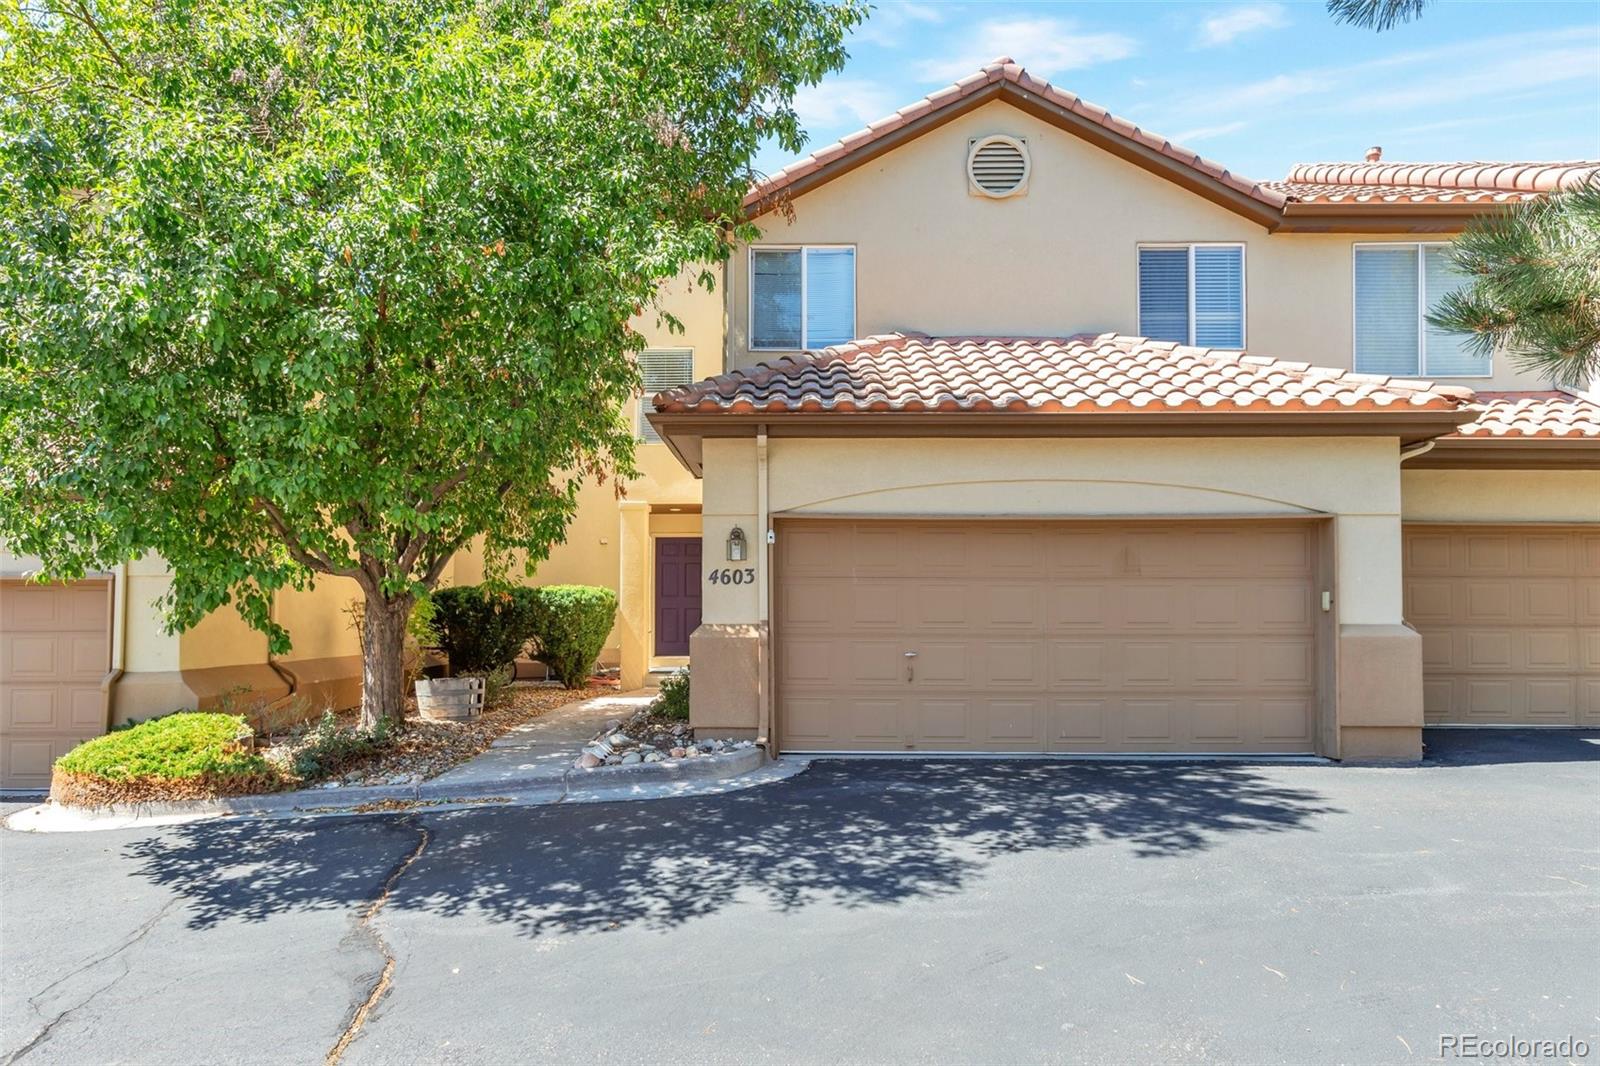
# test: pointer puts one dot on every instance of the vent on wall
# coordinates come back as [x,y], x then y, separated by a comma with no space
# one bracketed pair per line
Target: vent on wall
[998,166]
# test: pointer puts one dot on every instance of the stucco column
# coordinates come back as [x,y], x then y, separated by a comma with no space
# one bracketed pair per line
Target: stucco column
[633,592]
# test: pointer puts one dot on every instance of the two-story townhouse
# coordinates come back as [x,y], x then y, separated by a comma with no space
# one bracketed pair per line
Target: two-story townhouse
[977,461]
[990,470]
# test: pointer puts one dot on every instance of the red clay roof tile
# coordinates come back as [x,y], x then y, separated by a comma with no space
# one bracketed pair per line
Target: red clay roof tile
[1532,414]
[1110,372]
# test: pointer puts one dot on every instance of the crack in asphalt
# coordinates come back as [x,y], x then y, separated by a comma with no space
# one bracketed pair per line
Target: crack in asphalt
[49,1027]
[380,987]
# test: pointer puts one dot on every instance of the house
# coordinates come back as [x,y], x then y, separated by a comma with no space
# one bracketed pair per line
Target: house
[1021,429]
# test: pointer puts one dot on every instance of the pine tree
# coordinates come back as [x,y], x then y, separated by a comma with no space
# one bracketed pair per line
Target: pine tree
[1535,288]
[1376,14]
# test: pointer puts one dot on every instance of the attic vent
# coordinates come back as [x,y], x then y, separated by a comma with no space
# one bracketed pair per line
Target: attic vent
[998,166]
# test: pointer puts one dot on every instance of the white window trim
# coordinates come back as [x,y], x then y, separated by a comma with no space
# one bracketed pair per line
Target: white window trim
[1190,246]
[805,289]
[1418,251]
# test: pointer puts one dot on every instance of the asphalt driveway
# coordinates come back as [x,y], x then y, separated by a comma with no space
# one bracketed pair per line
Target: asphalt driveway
[862,911]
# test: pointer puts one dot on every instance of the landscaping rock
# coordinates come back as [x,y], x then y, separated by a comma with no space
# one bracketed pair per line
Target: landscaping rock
[677,753]
[654,756]
[588,761]
[631,758]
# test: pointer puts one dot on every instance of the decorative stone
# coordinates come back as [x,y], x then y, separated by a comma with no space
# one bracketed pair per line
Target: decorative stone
[654,756]
[613,760]
[631,758]
[588,761]
[678,753]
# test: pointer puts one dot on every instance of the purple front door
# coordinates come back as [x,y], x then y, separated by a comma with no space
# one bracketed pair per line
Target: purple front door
[677,593]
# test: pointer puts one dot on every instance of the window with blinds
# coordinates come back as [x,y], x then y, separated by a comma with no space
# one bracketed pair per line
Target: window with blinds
[802,298]
[661,368]
[1192,294]
[1396,286]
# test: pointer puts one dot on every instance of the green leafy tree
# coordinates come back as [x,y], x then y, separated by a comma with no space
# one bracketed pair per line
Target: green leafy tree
[1535,285]
[293,288]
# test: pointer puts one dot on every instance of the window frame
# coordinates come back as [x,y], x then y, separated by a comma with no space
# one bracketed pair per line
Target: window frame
[805,290]
[1189,247]
[1418,257]
[640,423]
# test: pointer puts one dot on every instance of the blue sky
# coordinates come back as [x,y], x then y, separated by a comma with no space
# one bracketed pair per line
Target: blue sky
[1257,86]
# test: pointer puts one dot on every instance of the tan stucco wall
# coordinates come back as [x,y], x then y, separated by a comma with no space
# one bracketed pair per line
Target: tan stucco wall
[1059,260]
[1355,479]
[1500,495]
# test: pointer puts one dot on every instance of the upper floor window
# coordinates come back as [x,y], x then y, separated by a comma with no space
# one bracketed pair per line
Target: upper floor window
[802,297]
[661,368]
[1192,294]
[1396,286]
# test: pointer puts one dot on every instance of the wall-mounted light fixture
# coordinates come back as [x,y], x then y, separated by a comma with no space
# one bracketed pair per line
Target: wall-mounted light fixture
[736,545]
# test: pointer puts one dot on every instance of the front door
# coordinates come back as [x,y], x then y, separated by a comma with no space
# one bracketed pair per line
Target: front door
[677,593]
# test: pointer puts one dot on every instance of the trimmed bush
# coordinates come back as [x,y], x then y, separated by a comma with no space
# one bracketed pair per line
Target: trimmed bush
[331,748]
[186,755]
[673,702]
[571,623]
[481,629]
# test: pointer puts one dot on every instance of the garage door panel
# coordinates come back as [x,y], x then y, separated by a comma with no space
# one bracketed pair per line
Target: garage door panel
[1589,700]
[1518,636]
[1134,637]
[54,655]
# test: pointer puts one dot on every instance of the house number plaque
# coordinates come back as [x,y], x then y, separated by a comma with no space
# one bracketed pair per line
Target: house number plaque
[734,575]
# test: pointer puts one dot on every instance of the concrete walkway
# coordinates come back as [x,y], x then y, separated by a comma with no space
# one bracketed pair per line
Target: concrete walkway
[529,766]
[540,751]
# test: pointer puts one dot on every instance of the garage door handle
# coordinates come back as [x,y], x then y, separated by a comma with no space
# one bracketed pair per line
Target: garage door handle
[911,673]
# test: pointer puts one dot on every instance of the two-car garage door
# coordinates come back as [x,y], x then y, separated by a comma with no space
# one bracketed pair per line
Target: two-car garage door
[1046,636]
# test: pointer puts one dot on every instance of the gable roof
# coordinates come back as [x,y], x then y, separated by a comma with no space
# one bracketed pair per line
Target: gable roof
[1004,79]
[910,384]
[1366,197]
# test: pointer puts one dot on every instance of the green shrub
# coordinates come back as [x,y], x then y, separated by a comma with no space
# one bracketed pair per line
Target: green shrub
[329,747]
[571,623]
[482,629]
[673,702]
[188,744]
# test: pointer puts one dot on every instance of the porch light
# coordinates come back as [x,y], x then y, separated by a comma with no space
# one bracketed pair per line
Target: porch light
[736,545]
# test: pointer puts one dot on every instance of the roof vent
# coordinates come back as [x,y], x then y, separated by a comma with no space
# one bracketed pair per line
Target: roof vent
[998,166]
[1374,154]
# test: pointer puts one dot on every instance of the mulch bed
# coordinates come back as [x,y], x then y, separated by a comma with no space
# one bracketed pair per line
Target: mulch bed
[427,748]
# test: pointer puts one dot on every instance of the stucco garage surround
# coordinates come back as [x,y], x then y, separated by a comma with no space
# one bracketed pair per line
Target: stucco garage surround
[1366,681]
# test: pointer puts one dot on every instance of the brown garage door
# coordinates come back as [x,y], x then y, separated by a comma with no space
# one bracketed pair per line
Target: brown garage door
[1510,622]
[1064,636]
[55,651]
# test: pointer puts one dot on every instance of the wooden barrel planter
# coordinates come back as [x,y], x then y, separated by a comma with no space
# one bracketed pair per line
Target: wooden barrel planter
[450,699]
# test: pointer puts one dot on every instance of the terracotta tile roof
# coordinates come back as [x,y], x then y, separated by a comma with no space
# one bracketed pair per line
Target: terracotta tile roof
[1336,183]
[1110,373]
[1004,69]
[1508,415]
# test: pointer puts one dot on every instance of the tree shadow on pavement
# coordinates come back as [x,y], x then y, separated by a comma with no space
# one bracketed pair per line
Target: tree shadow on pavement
[843,833]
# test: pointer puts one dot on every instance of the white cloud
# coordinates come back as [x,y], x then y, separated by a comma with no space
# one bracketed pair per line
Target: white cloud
[891,25]
[1206,133]
[1045,46]
[1225,26]
[842,100]
[1405,84]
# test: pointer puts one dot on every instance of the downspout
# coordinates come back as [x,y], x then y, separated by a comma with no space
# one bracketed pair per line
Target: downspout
[119,640]
[1416,450]
[763,610]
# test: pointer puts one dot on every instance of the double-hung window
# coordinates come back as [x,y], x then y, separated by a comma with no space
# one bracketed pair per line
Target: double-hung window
[661,368]
[1192,294]
[1396,285]
[802,297]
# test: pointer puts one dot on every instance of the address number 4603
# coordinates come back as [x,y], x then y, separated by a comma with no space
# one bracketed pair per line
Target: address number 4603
[733,576]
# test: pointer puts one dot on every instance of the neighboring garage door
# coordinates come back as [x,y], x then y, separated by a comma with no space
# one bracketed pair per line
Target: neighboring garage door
[55,652]
[1045,636]
[1510,622]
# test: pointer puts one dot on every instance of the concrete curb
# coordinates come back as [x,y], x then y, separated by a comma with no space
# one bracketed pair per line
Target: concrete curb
[630,782]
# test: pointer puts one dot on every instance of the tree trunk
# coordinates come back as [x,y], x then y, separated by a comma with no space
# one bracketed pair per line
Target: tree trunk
[383,657]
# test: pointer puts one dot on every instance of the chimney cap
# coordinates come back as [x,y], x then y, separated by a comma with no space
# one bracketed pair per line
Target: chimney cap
[1374,153]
